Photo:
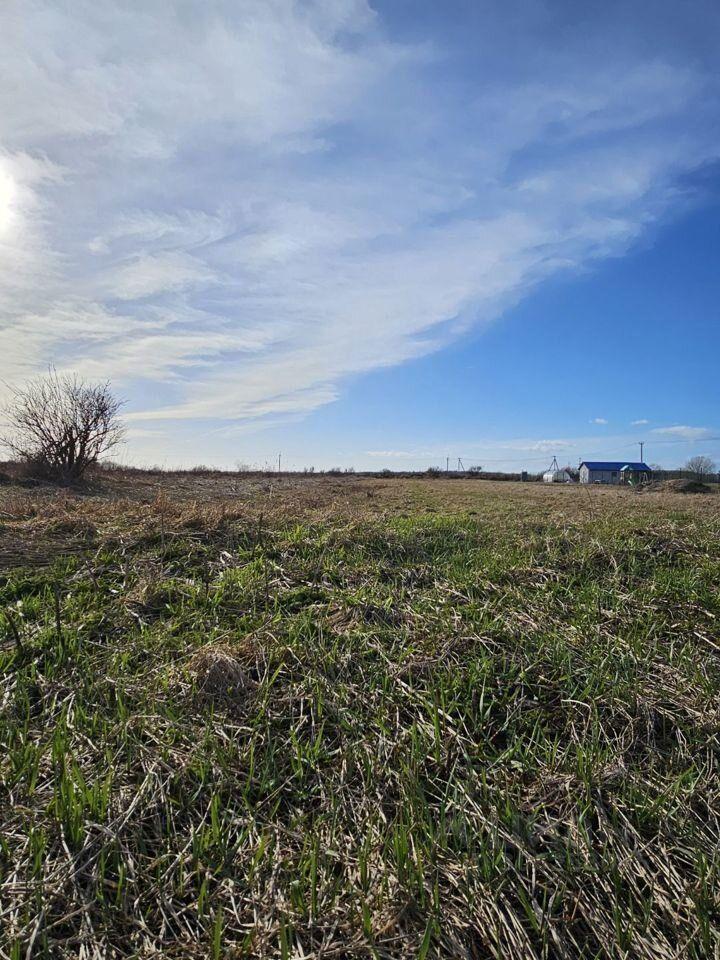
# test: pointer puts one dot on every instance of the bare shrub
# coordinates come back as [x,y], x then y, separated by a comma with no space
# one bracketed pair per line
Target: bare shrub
[59,426]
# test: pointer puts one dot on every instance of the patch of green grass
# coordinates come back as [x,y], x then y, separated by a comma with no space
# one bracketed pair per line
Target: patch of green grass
[487,734]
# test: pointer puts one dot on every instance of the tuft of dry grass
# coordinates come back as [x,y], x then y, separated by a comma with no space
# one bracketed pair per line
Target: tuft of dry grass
[220,675]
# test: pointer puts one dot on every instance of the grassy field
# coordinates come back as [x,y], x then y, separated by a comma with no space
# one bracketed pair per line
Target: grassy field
[338,717]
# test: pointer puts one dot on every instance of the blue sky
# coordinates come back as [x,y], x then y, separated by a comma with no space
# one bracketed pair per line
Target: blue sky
[369,234]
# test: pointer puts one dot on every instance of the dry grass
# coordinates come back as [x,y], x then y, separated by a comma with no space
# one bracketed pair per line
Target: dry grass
[452,719]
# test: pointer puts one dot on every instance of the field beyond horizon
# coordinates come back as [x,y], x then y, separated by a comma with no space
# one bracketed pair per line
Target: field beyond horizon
[349,717]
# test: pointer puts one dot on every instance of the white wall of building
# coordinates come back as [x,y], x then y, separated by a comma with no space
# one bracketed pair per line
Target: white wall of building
[599,476]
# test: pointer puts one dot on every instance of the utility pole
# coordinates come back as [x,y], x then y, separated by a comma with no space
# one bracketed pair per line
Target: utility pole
[447,464]
[642,444]
[279,461]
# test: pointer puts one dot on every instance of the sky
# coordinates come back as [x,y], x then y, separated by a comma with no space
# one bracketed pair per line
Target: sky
[368,234]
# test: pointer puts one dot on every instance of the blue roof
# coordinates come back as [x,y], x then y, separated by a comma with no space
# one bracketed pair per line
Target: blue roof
[615,465]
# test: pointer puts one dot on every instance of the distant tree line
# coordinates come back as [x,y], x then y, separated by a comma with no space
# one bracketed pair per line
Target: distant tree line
[60,426]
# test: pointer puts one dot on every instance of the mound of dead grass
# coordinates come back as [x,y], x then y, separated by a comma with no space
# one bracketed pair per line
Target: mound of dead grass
[676,486]
[220,674]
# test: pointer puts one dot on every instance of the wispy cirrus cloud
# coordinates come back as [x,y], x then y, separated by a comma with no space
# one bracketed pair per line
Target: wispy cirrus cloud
[232,220]
[682,432]
[639,423]
[600,421]
[512,450]
[517,453]
[549,446]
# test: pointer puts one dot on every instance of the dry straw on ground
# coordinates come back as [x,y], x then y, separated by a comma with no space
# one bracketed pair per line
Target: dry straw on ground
[447,720]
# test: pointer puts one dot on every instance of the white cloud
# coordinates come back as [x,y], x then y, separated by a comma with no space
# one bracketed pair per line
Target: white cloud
[398,454]
[599,420]
[8,193]
[250,202]
[682,432]
[548,446]
[639,423]
[142,230]
[514,449]
[146,276]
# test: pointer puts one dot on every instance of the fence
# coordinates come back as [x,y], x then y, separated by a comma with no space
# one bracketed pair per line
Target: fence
[685,475]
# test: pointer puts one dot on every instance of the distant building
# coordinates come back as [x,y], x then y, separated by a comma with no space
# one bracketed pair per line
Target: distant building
[614,471]
[556,474]
[559,475]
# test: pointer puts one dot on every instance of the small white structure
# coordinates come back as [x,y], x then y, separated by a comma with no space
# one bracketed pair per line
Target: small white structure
[556,474]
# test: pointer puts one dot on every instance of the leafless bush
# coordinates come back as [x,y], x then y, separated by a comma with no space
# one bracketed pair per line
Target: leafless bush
[59,426]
